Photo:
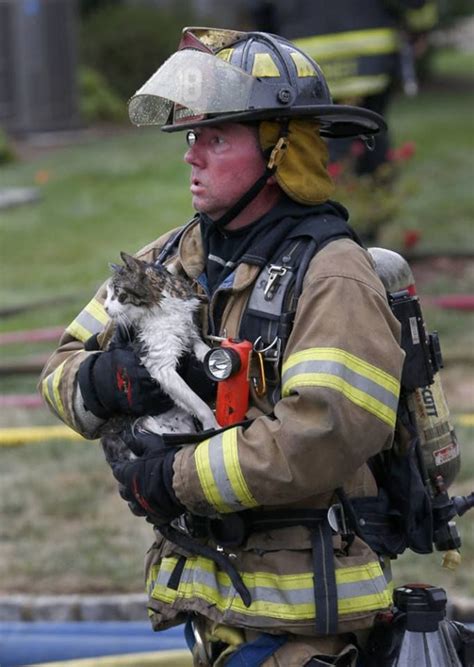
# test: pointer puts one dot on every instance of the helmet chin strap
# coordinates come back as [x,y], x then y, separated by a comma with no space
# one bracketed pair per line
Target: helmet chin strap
[275,156]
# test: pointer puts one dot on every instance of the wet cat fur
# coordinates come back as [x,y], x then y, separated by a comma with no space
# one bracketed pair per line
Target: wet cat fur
[161,309]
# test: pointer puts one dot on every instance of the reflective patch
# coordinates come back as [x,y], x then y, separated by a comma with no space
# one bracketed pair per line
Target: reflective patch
[225,54]
[352,43]
[289,597]
[91,320]
[264,66]
[362,383]
[303,66]
[359,85]
[220,474]
[50,390]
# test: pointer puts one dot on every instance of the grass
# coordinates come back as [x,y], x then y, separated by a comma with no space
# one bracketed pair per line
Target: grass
[63,526]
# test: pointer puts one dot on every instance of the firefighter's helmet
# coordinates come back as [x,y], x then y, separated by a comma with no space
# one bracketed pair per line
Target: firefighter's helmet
[222,75]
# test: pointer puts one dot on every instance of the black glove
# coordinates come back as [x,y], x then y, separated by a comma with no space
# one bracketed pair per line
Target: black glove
[146,482]
[115,382]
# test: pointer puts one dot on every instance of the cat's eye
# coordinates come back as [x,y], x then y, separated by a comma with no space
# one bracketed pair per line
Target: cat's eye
[122,297]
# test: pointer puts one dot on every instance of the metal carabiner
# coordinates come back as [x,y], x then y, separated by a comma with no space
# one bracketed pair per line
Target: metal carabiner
[262,350]
[260,382]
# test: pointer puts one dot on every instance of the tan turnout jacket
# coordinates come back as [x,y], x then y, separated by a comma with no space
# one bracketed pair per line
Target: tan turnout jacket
[340,384]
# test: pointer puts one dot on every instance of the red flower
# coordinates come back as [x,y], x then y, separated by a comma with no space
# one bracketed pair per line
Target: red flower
[411,238]
[407,150]
[335,169]
[357,148]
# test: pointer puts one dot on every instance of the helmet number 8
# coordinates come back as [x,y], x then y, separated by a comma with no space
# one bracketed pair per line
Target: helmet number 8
[190,84]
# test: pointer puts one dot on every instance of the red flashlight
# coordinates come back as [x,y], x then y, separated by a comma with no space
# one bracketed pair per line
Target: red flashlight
[229,366]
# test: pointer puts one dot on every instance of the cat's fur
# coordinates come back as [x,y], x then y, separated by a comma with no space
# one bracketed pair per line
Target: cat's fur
[161,309]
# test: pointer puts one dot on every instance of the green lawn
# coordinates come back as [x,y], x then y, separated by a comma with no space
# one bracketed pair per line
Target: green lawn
[63,526]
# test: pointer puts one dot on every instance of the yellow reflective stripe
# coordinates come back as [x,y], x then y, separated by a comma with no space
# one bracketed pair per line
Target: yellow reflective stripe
[364,603]
[91,320]
[352,43]
[220,474]
[423,18]
[357,364]
[359,85]
[234,471]
[208,485]
[78,331]
[354,395]
[363,384]
[271,593]
[50,388]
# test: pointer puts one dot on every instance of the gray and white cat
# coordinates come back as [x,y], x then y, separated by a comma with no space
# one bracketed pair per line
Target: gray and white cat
[161,308]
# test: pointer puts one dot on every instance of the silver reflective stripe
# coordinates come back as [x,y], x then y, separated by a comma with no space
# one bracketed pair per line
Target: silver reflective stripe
[222,262]
[284,596]
[91,320]
[221,478]
[340,370]
[359,588]
[220,474]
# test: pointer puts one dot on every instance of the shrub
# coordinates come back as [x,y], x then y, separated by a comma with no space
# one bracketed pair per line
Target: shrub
[6,151]
[126,43]
[97,100]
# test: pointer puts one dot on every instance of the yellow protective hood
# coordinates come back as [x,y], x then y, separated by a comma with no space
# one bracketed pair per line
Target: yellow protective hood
[302,172]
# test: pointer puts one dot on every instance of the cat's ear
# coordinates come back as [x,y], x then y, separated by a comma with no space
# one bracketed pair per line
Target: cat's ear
[130,262]
[116,268]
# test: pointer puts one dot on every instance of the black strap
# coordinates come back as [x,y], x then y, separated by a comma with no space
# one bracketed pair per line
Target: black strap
[173,242]
[242,524]
[324,579]
[271,315]
[220,559]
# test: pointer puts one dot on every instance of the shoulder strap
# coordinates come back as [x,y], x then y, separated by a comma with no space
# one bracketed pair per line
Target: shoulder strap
[270,310]
[172,243]
[268,318]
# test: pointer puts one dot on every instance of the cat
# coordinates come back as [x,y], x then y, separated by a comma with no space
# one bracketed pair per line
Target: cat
[161,309]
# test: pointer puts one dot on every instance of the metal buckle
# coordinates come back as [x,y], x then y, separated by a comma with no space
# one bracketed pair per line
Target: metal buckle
[275,273]
[337,519]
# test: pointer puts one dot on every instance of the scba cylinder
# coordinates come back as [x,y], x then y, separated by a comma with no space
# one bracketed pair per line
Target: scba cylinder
[425,396]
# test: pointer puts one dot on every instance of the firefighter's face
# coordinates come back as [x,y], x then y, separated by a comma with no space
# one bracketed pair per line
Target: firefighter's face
[225,160]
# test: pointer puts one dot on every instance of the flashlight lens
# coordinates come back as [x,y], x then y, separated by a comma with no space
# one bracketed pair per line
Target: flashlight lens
[220,364]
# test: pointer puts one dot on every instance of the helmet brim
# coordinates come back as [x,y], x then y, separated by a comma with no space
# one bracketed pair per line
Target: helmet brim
[335,120]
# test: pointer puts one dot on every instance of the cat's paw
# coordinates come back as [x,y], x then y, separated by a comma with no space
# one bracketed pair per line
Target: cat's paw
[209,424]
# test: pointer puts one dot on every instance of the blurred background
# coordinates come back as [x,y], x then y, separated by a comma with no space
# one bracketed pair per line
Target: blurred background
[78,184]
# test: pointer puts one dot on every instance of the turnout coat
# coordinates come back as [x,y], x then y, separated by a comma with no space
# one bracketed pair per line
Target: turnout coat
[340,382]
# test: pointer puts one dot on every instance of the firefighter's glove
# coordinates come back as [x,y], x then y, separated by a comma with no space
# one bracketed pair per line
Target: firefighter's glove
[114,382]
[146,482]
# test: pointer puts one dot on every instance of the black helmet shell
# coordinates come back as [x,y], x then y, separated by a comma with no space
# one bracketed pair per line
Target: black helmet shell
[245,77]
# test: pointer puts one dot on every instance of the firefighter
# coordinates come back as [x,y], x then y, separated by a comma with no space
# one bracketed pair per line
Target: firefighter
[254,545]
[363,53]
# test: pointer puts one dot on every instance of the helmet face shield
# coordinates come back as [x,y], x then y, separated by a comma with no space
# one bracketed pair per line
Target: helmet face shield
[220,76]
[195,84]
